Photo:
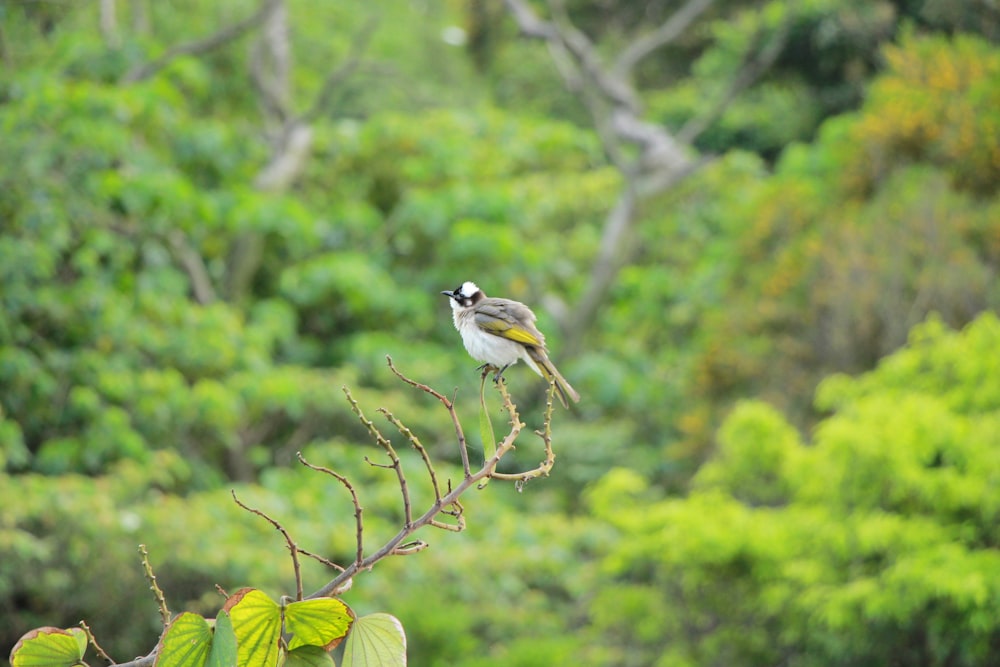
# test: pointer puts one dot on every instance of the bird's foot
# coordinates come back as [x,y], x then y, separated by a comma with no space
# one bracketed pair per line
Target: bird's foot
[499,374]
[486,368]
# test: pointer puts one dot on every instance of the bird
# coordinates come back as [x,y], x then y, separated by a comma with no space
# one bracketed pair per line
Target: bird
[499,332]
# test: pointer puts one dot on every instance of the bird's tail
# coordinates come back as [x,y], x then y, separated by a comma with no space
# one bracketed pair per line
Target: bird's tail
[545,368]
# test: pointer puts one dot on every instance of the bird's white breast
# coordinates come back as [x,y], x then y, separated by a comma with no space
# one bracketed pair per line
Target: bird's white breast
[482,346]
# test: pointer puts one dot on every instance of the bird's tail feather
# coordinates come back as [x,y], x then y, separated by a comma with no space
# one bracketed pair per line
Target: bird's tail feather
[548,371]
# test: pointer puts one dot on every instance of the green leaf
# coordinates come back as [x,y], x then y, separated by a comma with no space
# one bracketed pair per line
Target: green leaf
[187,642]
[309,656]
[224,652]
[49,647]
[486,425]
[377,640]
[256,622]
[321,622]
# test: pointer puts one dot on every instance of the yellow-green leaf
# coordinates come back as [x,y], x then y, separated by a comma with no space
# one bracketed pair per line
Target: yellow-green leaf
[49,647]
[376,640]
[321,622]
[187,642]
[256,622]
[309,656]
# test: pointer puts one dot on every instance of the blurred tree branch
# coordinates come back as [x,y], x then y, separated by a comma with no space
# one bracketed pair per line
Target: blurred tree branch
[660,161]
[651,158]
[201,46]
[288,134]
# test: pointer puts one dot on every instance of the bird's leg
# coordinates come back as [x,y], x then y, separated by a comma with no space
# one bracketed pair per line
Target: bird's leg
[486,368]
[499,374]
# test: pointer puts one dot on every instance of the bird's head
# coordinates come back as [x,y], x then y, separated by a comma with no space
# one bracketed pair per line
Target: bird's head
[465,295]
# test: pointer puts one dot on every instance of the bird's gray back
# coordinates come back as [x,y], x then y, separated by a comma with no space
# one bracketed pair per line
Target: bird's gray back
[513,312]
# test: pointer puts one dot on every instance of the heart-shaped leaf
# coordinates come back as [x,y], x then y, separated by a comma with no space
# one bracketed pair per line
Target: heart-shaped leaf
[256,622]
[321,622]
[187,642]
[49,647]
[376,640]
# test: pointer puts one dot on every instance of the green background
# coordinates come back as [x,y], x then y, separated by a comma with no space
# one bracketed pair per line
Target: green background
[788,447]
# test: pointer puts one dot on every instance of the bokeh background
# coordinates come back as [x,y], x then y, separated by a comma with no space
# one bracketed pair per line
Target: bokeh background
[215,215]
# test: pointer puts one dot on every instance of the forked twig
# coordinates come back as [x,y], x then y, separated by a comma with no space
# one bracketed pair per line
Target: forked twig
[293,549]
[399,545]
[415,442]
[385,444]
[358,522]
[449,404]
[545,434]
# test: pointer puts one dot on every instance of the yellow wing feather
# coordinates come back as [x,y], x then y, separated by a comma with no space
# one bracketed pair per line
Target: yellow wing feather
[495,319]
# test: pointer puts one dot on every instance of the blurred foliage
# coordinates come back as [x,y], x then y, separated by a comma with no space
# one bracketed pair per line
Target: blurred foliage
[138,385]
[856,237]
[875,543]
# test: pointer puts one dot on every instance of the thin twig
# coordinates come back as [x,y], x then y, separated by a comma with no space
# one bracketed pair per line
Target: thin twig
[671,29]
[346,69]
[545,434]
[410,548]
[449,404]
[415,442]
[325,561]
[199,46]
[293,549]
[756,61]
[385,444]
[161,601]
[93,642]
[359,525]
[450,499]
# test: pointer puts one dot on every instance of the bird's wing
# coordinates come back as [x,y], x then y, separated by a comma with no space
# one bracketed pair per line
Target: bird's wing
[509,319]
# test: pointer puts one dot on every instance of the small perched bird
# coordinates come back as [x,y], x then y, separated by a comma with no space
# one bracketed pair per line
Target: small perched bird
[498,332]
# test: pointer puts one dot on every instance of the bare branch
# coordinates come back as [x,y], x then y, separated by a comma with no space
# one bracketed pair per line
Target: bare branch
[93,642]
[450,499]
[616,90]
[415,442]
[194,265]
[756,61]
[325,561]
[270,64]
[358,511]
[663,158]
[161,601]
[668,31]
[384,443]
[545,434]
[292,547]
[200,46]
[346,69]
[449,404]
[410,548]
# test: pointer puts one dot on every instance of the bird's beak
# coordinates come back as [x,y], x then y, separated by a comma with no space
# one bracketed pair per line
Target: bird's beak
[448,293]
